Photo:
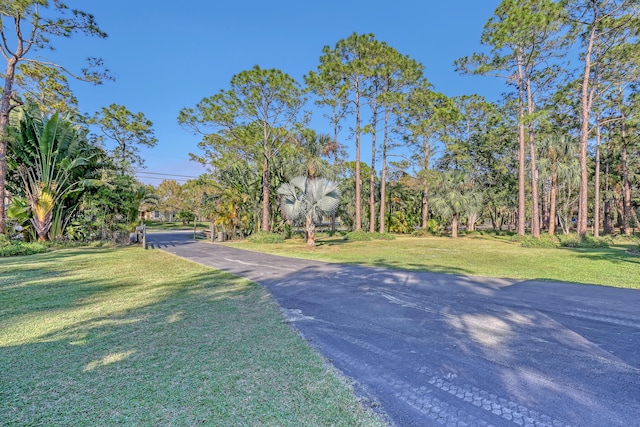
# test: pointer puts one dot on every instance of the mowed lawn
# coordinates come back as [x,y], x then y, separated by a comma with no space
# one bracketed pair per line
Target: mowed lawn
[127,337]
[476,255]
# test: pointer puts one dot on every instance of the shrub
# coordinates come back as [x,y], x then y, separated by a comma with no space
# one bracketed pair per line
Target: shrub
[544,241]
[517,238]
[433,229]
[421,232]
[577,241]
[358,236]
[266,237]
[624,240]
[18,247]
[474,233]
[433,226]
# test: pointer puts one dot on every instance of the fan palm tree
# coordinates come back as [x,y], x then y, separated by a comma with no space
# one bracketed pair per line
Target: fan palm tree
[309,199]
[455,196]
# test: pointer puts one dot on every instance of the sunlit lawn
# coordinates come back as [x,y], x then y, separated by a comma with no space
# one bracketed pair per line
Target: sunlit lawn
[493,256]
[103,337]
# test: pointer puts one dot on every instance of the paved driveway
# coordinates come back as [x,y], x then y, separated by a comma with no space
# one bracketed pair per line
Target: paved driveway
[436,349]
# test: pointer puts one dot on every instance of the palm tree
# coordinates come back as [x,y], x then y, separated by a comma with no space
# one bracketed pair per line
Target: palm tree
[558,156]
[310,199]
[455,196]
[313,151]
[50,157]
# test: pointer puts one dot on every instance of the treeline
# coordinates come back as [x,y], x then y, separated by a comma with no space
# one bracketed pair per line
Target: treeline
[559,150]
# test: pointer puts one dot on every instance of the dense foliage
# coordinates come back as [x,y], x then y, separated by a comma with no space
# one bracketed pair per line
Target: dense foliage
[557,152]
[516,164]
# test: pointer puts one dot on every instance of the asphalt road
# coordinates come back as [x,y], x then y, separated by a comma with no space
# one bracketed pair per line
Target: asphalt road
[434,349]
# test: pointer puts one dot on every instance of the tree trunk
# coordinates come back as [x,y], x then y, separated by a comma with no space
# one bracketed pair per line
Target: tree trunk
[608,225]
[383,177]
[626,186]
[5,109]
[358,219]
[471,222]
[123,158]
[311,233]
[535,213]
[454,226]
[265,194]
[425,209]
[544,205]
[618,203]
[552,202]
[42,226]
[596,193]
[585,110]
[372,175]
[383,190]
[493,214]
[521,156]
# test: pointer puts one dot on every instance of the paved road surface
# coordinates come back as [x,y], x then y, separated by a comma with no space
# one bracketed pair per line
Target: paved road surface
[435,349]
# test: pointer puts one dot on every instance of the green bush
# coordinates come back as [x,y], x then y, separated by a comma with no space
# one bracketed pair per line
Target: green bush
[577,241]
[633,239]
[421,232]
[434,228]
[544,241]
[358,236]
[266,237]
[18,247]
[517,238]
[471,233]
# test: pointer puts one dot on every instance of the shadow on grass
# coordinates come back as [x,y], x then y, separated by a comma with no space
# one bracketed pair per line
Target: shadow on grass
[185,346]
[331,242]
[110,350]
[616,255]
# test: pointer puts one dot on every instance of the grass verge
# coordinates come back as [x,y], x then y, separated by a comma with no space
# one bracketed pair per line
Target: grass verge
[131,337]
[476,255]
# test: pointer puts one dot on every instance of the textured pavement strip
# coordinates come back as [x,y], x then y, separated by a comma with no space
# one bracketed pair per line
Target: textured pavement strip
[606,317]
[433,407]
[501,407]
[419,399]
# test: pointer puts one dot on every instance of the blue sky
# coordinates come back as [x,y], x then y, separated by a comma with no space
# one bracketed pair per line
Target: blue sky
[169,55]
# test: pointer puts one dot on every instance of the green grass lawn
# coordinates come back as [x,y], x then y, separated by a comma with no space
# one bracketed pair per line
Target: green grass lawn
[104,337]
[489,255]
